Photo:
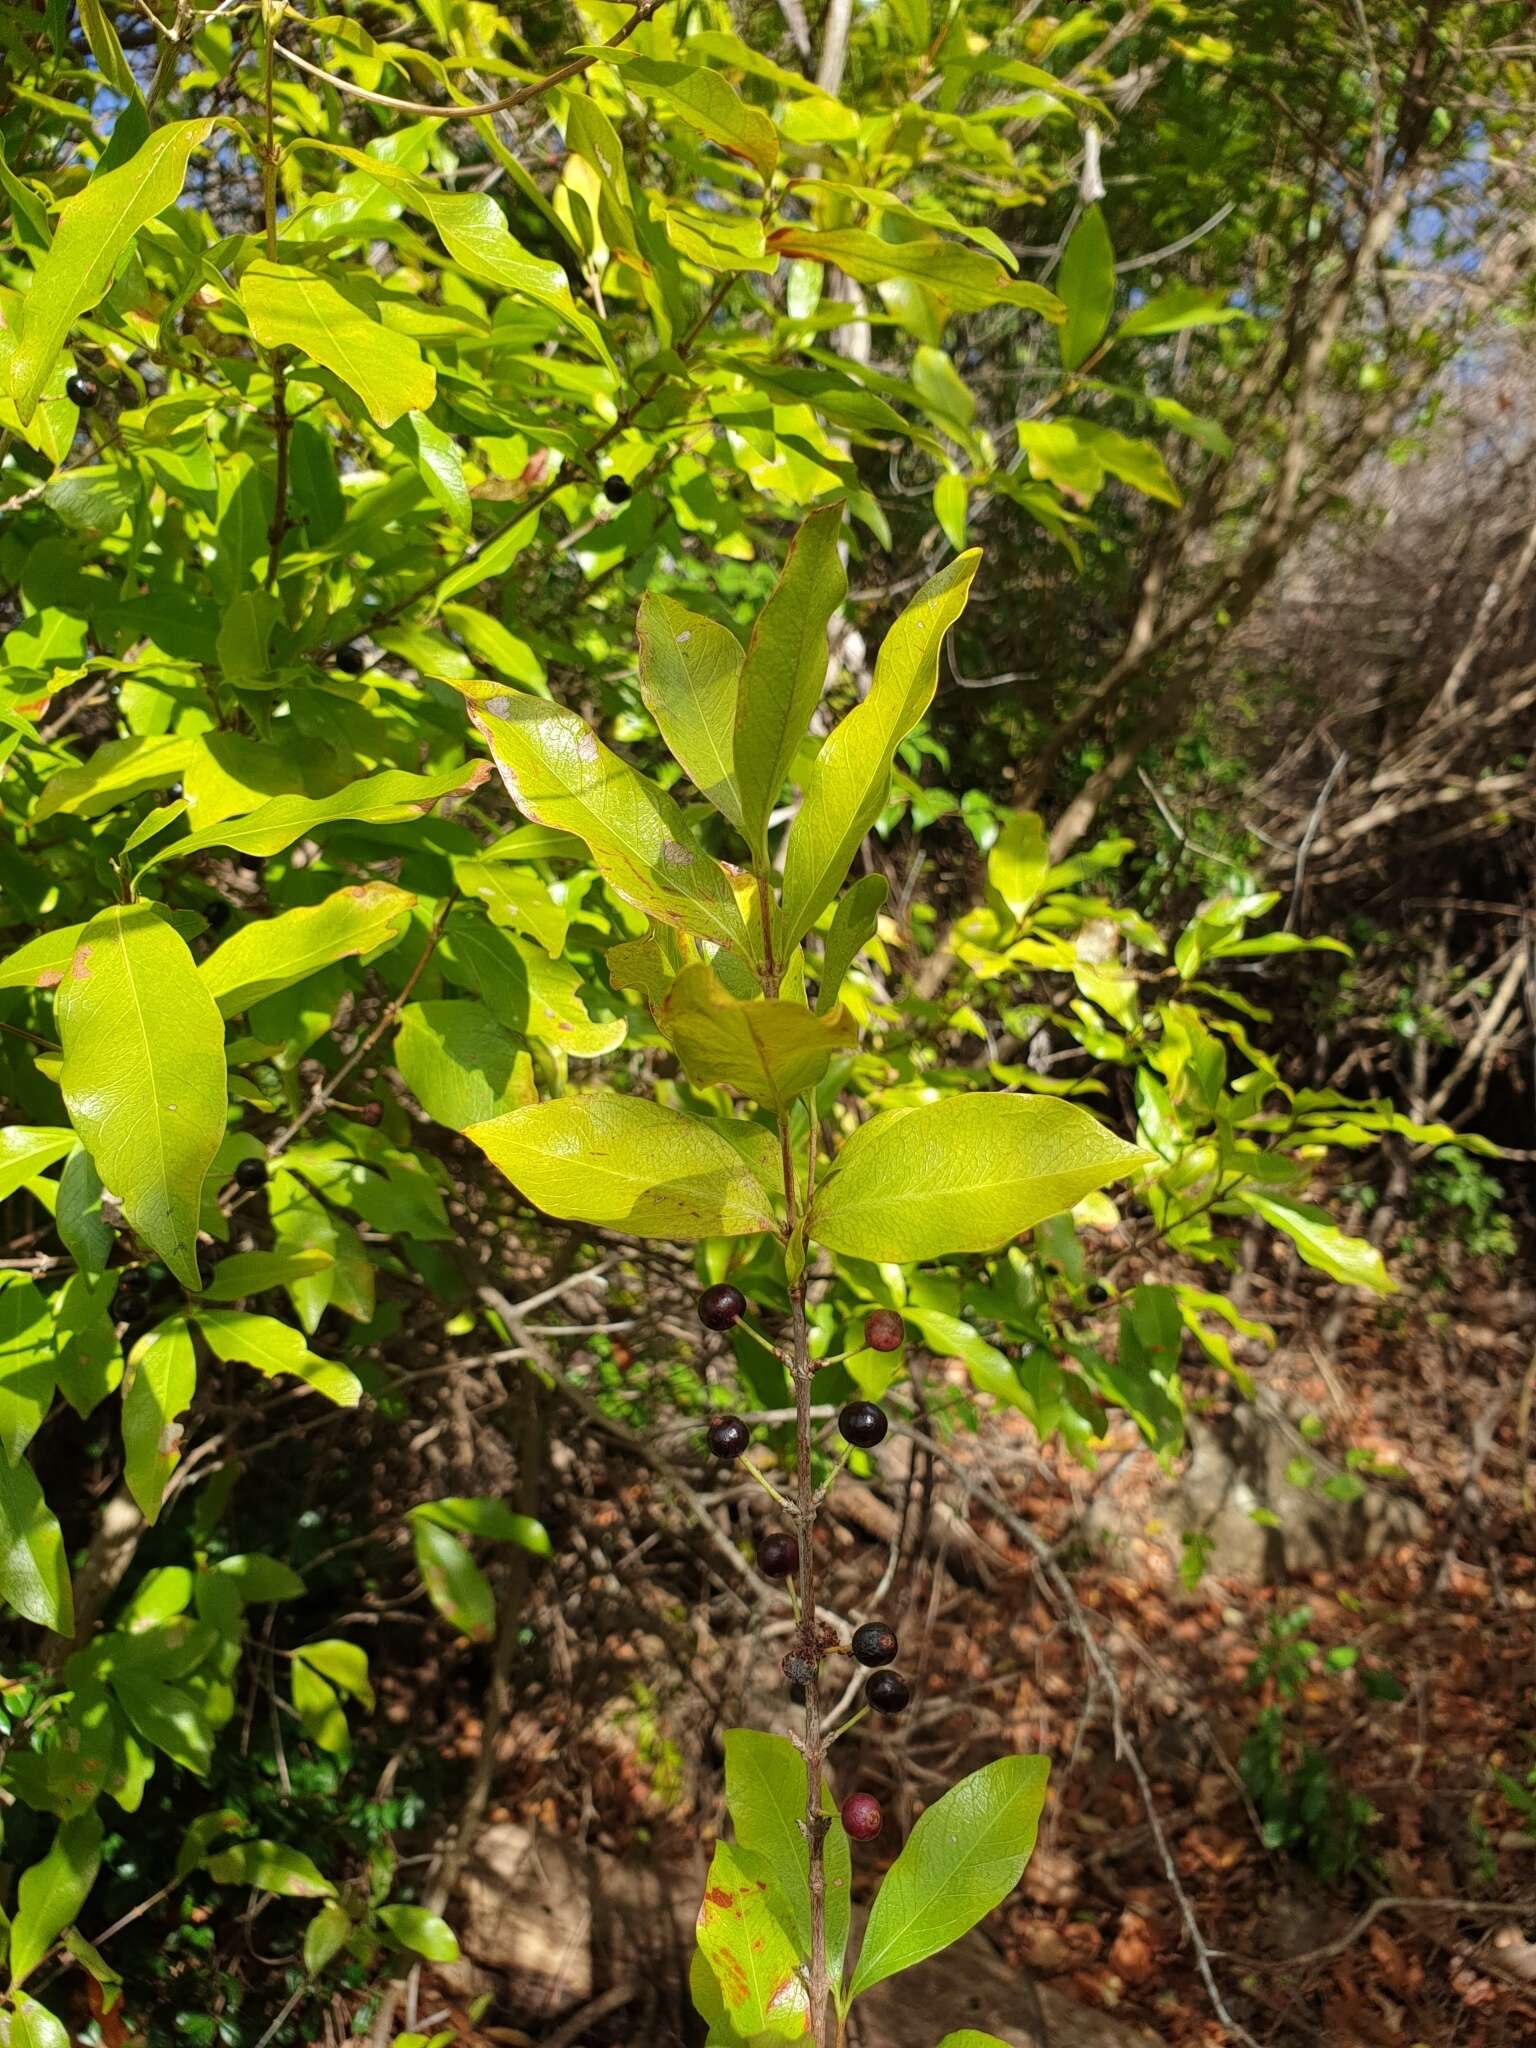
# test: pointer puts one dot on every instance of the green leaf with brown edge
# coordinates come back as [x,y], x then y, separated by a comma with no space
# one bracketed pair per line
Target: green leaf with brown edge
[620,1161]
[51,1892]
[157,1390]
[967,1173]
[455,1584]
[34,1572]
[963,1857]
[143,1075]
[290,306]
[769,1051]
[785,669]
[849,781]
[1087,284]
[273,953]
[558,772]
[690,671]
[748,1946]
[90,233]
[389,798]
[41,962]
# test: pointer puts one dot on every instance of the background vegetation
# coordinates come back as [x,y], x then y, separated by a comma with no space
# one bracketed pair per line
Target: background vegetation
[356,369]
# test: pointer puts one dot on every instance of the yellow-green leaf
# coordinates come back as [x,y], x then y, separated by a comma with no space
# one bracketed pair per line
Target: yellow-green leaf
[460,1064]
[34,1572]
[964,1174]
[143,1075]
[769,1051]
[618,1160]
[1087,284]
[273,953]
[689,672]
[290,307]
[747,1945]
[157,1389]
[239,1337]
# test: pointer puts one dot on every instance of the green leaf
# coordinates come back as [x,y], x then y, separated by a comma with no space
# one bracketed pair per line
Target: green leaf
[27,1150]
[765,1793]
[705,100]
[1322,1244]
[559,773]
[489,562]
[301,1221]
[316,1703]
[157,1390]
[238,1337]
[343,1665]
[1086,282]
[86,1235]
[28,1361]
[42,961]
[854,923]
[95,1964]
[52,1892]
[748,1946]
[291,307]
[270,1867]
[958,280]
[273,953]
[969,2038]
[850,778]
[26,2024]
[34,1573]
[1019,862]
[455,1584]
[964,1856]
[771,1052]
[1187,305]
[613,1159]
[244,1273]
[325,1937]
[964,1174]
[460,1065]
[259,1578]
[493,1519]
[951,501]
[143,1076]
[425,1934]
[90,233]
[115,772]
[785,669]
[690,670]
[389,798]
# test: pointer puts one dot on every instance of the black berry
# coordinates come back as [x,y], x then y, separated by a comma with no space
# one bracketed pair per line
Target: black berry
[728,1436]
[81,390]
[887,1691]
[863,1424]
[350,660]
[135,1309]
[216,914]
[1098,1293]
[778,1555]
[616,491]
[862,1816]
[884,1330]
[798,1668]
[722,1307]
[133,1280]
[251,1174]
[874,1643]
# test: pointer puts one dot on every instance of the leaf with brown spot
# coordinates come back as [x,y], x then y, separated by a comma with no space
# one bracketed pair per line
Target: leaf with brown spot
[744,1938]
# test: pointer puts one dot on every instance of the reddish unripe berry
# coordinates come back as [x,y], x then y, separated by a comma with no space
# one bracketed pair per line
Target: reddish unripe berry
[863,1425]
[778,1555]
[884,1330]
[862,1816]
[874,1643]
[728,1436]
[722,1307]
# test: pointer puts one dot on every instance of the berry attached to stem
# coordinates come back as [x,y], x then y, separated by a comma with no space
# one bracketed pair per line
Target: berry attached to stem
[863,1425]
[778,1555]
[884,1330]
[728,1436]
[862,1816]
[81,390]
[350,660]
[251,1174]
[874,1643]
[887,1691]
[616,490]
[722,1307]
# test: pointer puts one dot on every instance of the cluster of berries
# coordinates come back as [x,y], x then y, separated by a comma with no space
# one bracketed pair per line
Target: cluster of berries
[862,1424]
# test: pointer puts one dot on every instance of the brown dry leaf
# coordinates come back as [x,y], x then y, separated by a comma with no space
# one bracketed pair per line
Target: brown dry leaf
[1214,1848]
[1133,1952]
[1045,1949]
[1053,1878]
[1403,1972]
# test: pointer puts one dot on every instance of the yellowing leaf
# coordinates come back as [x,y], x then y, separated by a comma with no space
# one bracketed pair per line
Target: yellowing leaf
[769,1051]
[689,671]
[273,953]
[965,1174]
[743,1938]
[614,1159]
[143,1075]
[289,307]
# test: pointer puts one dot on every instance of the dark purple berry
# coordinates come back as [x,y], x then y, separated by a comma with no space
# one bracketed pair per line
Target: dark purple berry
[350,660]
[884,1330]
[728,1436]
[862,1816]
[874,1643]
[722,1307]
[887,1691]
[616,490]
[798,1668]
[134,1310]
[81,390]
[133,1280]
[251,1174]
[863,1424]
[1098,1293]
[778,1555]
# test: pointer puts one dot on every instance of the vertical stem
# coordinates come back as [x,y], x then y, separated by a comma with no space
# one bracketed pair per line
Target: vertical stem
[280,420]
